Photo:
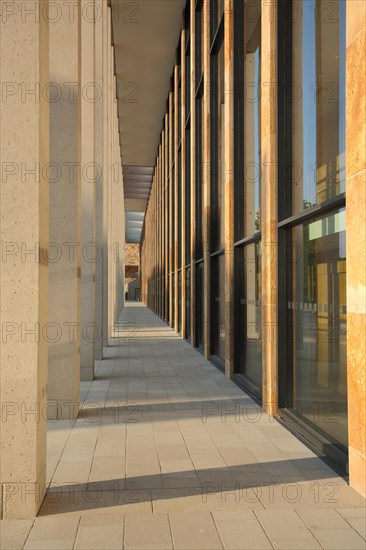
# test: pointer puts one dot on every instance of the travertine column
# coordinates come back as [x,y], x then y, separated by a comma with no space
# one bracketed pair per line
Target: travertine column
[171,213]
[184,182]
[229,188]
[269,205]
[175,214]
[64,229]
[106,23]
[100,180]
[206,113]
[166,214]
[24,267]
[87,174]
[193,169]
[356,239]
[110,179]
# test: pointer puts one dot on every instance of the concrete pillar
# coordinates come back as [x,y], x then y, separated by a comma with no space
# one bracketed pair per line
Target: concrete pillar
[87,177]
[24,268]
[183,179]
[100,176]
[166,214]
[269,205]
[175,215]
[192,107]
[206,113]
[229,188]
[106,31]
[356,240]
[64,220]
[171,214]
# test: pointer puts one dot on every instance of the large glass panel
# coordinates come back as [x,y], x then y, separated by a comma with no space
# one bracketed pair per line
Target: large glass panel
[221,148]
[252,121]
[250,337]
[318,309]
[187,305]
[188,194]
[179,198]
[179,301]
[318,97]
[199,304]
[199,178]
[218,275]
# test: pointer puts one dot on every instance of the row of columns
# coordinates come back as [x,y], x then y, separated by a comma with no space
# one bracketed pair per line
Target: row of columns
[62,226]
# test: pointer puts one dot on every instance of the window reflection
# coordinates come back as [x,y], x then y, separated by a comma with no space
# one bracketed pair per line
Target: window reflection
[318,309]
[221,145]
[318,101]
[252,108]
[218,344]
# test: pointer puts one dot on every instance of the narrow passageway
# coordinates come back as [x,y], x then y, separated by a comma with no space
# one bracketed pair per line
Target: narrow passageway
[169,453]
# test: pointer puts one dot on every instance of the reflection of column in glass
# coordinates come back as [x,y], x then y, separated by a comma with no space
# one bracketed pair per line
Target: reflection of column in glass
[249,146]
[250,292]
[221,147]
[327,101]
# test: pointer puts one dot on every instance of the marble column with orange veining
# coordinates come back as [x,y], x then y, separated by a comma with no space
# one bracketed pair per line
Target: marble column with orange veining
[269,205]
[229,187]
[356,239]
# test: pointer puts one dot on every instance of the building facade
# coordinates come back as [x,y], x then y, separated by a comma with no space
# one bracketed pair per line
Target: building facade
[253,245]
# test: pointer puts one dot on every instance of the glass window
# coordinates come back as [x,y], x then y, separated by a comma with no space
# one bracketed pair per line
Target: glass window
[218,333]
[199,305]
[187,305]
[318,97]
[252,121]
[179,208]
[218,152]
[250,331]
[179,300]
[318,310]
[188,194]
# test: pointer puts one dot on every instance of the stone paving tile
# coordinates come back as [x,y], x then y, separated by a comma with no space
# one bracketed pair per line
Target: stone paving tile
[102,532]
[356,517]
[241,530]
[194,531]
[14,533]
[147,532]
[285,526]
[52,533]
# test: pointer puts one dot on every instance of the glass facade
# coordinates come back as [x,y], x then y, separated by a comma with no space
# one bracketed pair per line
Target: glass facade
[299,208]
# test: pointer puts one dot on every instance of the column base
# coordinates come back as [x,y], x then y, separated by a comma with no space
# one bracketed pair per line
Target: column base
[22,499]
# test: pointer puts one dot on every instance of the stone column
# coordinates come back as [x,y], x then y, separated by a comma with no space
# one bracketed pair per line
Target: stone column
[166,214]
[64,219]
[206,114]
[193,168]
[229,188]
[175,214]
[356,239]
[171,213]
[184,182]
[100,176]
[24,266]
[106,22]
[87,174]
[269,205]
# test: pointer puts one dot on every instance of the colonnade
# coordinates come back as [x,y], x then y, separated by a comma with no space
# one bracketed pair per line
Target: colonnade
[62,225]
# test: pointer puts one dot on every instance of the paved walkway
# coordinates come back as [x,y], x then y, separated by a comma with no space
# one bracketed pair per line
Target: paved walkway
[168,453]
